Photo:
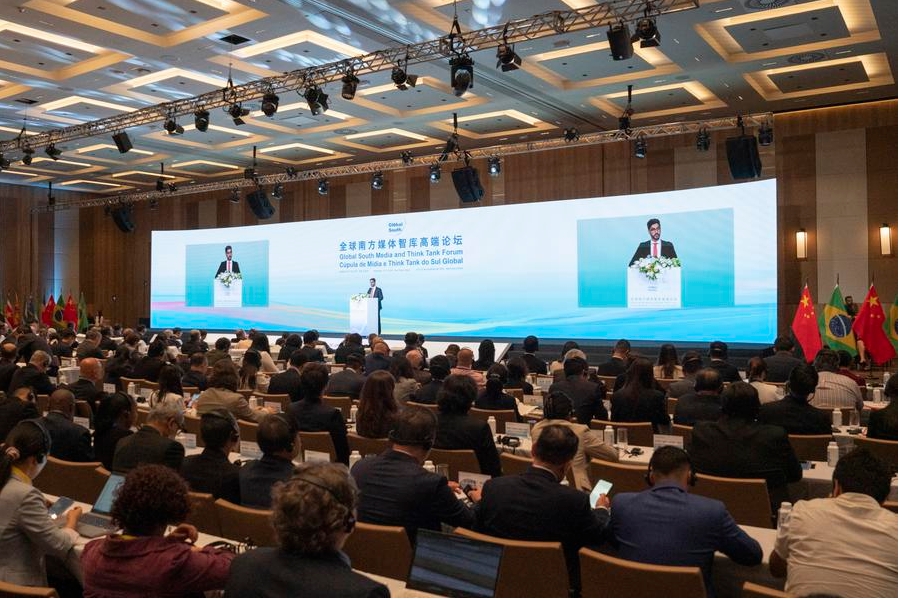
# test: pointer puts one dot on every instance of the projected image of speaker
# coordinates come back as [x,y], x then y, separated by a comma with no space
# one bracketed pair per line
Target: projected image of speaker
[260,205]
[468,184]
[123,218]
[743,157]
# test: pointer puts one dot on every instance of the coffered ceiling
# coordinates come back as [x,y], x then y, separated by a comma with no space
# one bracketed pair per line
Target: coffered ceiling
[68,62]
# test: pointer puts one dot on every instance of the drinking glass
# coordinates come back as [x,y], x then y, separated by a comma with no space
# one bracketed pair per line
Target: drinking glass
[443,470]
[853,418]
[621,436]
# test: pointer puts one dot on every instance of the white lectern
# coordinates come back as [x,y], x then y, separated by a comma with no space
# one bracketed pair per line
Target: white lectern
[664,292]
[227,297]
[364,316]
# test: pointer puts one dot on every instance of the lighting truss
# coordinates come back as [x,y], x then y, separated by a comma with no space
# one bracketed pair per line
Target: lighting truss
[547,24]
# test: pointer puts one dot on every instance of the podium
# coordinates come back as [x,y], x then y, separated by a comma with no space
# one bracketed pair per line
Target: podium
[664,292]
[364,316]
[227,297]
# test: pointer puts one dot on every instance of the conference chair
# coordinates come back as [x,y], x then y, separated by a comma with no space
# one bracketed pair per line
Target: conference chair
[519,572]
[366,445]
[143,411]
[381,550]
[8,589]
[746,499]
[638,433]
[203,514]
[427,406]
[607,576]
[145,384]
[810,448]
[190,391]
[42,402]
[683,431]
[502,417]
[891,505]
[247,430]
[625,478]
[457,459]
[245,525]
[192,426]
[320,442]
[83,410]
[283,399]
[672,404]
[337,401]
[885,450]
[81,481]
[751,589]
[518,394]
[609,382]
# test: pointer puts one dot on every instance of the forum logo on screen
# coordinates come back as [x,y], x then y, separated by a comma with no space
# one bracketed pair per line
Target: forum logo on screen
[396,226]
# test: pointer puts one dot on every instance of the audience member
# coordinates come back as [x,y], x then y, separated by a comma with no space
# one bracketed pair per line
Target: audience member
[617,364]
[170,389]
[120,365]
[310,349]
[667,366]
[451,353]
[531,346]
[692,363]
[154,442]
[34,375]
[704,403]
[279,441]
[8,366]
[261,345]
[557,367]
[89,386]
[289,381]
[638,400]
[492,396]
[212,471]
[193,345]
[518,372]
[378,359]
[718,361]
[793,412]
[148,367]
[464,367]
[757,375]
[457,429]
[71,442]
[406,386]
[377,406]
[349,381]
[90,347]
[222,345]
[417,360]
[834,390]
[222,393]
[351,345]
[440,369]
[411,344]
[882,423]
[196,375]
[846,360]
[116,415]
[292,343]
[15,407]
[250,366]
[783,361]
[587,397]
[486,355]
[311,415]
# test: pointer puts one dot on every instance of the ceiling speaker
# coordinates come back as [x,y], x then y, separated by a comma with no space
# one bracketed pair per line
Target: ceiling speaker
[468,184]
[123,218]
[260,205]
[122,142]
[743,157]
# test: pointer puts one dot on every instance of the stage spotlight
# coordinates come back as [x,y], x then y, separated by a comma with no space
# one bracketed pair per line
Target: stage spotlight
[766,134]
[434,173]
[494,166]
[452,146]
[53,152]
[201,120]
[647,32]
[172,127]
[377,180]
[250,173]
[4,162]
[234,197]
[461,74]
[350,83]
[290,172]
[620,43]
[160,184]
[27,155]
[270,104]
[407,157]
[317,100]
[640,147]
[324,186]
[506,58]
[237,112]
[401,79]
[278,191]
[572,134]
[703,140]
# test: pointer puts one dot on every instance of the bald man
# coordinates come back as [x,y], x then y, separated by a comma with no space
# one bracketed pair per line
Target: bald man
[464,361]
[89,386]
[378,359]
[417,360]
[70,441]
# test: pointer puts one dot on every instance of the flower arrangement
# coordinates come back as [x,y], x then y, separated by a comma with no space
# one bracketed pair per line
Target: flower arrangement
[227,278]
[653,268]
[358,297]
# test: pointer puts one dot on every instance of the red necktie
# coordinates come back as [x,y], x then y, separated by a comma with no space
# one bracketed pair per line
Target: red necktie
[655,249]
[229,266]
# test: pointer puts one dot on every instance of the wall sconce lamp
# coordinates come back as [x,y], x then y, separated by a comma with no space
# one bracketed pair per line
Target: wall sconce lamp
[886,240]
[801,244]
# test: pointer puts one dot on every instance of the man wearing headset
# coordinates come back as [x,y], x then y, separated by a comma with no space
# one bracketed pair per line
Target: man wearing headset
[666,525]
[212,471]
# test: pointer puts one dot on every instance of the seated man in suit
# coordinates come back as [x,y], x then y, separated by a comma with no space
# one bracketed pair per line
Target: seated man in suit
[8,366]
[534,506]
[15,407]
[278,438]
[694,527]
[718,361]
[704,403]
[783,361]
[394,489]
[212,471]
[347,382]
[154,442]
[692,363]
[71,442]
[222,345]
[586,396]
[617,364]
[311,415]
[378,359]
[882,424]
[89,386]
[90,347]
[793,412]
[834,390]
[228,265]
[289,381]
[196,375]
[531,346]
[310,348]
[417,360]
[34,375]
[351,345]
[655,247]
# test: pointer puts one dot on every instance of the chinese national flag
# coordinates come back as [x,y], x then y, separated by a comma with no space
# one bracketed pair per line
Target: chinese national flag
[70,311]
[868,327]
[805,326]
[47,314]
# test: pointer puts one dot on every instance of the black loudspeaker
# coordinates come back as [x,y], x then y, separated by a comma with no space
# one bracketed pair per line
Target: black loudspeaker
[122,142]
[468,184]
[260,205]
[743,157]
[123,218]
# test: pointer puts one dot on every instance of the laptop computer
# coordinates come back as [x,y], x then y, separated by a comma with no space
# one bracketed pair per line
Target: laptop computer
[454,566]
[98,522]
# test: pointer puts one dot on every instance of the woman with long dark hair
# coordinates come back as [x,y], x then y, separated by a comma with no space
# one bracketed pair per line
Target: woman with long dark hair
[638,400]
[486,355]
[517,377]
[492,396]
[260,344]
[377,405]
[169,386]
[116,415]
[667,366]
[406,385]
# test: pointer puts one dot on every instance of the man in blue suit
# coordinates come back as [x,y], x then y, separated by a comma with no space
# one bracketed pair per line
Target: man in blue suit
[668,526]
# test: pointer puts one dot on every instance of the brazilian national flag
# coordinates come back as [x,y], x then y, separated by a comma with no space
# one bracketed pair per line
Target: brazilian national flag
[890,325]
[837,333]
[58,317]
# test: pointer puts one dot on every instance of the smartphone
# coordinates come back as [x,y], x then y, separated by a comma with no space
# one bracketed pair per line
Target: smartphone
[806,465]
[193,400]
[60,507]
[602,488]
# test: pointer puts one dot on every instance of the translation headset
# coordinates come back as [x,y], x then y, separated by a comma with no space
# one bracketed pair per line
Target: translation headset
[653,461]
[349,521]
[291,426]
[550,405]
[40,454]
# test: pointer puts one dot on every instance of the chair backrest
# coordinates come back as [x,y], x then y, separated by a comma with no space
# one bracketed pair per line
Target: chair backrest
[366,445]
[123,383]
[190,390]
[83,410]
[810,448]
[8,589]
[885,450]
[81,481]
[502,417]
[625,478]
[608,381]
[527,568]
[427,406]
[143,411]
[513,464]
[746,499]
[516,393]
[638,433]
[891,505]
[336,401]
[684,431]
[248,430]
[42,402]
[845,411]
[320,441]
[145,384]
[203,514]
[192,426]
[751,589]
[607,576]
[457,459]
[665,383]
[382,550]
[281,398]
[671,404]
[242,524]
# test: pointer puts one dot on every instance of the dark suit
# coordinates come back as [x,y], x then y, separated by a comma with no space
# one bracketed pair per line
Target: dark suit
[194,378]
[343,350]
[347,383]
[7,370]
[644,250]
[147,446]
[428,393]
[882,424]
[649,407]
[463,431]
[211,472]
[86,349]
[86,390]
[693,407]
[586,397]
[30,376]
[533,506]
[214,355]
[380,295]
[681,387]
[312,353]
[287,382]
[394,490]
[105,444]
[29,343]
[613,367]
[147,368]
[796,416]
[695,528]
[375,362]
[780,365]
[235,267]
[728,372]
[13,411]
[257,478]
[535,364]
[70,441]
[317,417]
[272,572]
[286,350]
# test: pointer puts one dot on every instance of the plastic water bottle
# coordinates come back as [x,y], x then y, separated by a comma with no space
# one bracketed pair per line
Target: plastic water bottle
[783,514]
[355,456]
[886,377]
[491,422]
[131,390]
[837,417]
[833,454]
[429,466]
[354,411]
[608,436]
[253,401]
